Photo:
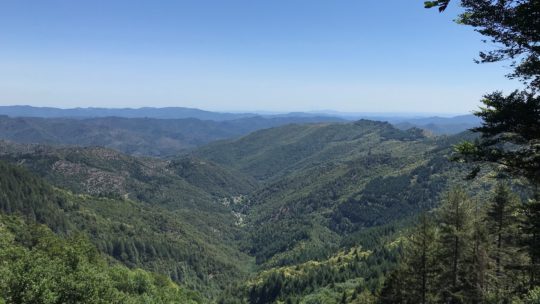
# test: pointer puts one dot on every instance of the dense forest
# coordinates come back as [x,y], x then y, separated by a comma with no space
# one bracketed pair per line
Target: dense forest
[316,213]
[229,234]
[469,251]
[138,135]
[309,211]
[39,267]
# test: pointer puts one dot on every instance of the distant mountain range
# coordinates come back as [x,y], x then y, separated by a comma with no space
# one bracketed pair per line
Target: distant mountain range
[434,124]
[146,112]
[439,125]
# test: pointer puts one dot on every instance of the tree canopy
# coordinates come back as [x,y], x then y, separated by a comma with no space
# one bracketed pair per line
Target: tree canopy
[510,133]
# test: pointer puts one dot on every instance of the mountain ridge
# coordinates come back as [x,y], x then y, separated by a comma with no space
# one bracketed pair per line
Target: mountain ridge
[136,136]
[143,112]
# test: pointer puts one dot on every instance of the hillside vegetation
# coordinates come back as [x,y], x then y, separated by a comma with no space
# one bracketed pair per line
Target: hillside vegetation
[182,244]
[136,136]
[315,209]
[40,267]
[321,184]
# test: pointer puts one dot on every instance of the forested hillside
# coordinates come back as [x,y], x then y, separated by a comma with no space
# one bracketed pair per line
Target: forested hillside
[41,267]
[468,251]
[191,252]
[373,163]
[323,182]
[300,213]
[270,153]
[137,136]
[105,172]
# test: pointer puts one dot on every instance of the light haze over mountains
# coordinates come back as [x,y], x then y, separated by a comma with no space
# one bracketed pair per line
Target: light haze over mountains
[437,124]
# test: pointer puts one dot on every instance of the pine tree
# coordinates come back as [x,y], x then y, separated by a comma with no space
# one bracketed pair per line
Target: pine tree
[505,252]
[393,291]
[531,227]
[455,218]
[477,261]
[421,260]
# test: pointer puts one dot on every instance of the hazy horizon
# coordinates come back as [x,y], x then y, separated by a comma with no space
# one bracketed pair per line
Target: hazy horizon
[263,112]
[243,56]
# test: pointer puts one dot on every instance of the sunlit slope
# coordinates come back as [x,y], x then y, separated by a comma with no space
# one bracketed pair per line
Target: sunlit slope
[194,246]
[324,182]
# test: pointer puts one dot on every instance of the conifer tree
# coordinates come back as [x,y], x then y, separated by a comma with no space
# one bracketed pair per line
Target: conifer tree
[531,228]
[393,291]
[502,221]
[477,261]
[456,226]
[421,260]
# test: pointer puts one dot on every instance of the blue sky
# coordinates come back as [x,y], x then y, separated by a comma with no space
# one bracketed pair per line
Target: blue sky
[242,55]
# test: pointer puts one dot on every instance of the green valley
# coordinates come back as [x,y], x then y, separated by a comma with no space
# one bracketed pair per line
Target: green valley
[309,200]
[270,152]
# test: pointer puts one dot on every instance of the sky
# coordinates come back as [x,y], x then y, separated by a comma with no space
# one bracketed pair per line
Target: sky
[243,55]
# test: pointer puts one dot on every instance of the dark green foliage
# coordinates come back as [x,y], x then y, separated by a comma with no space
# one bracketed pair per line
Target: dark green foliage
[503,223]
[511,124]
[196,221]
[156,240]
[422,262]
[332,213]
[325,281]
[456,235]
[404,195]
[272,153]
[39,267]
[134,233]
[470,253]
[182,183]
[510,135]
[23,193]
[322,182]
[212,178]
[532,238]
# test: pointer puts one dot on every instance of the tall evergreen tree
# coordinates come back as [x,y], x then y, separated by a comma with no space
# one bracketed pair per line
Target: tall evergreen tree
[477,257]
[510,131]
[422,263]
[394,289]
[456,226]
[502,221]
[531,227]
